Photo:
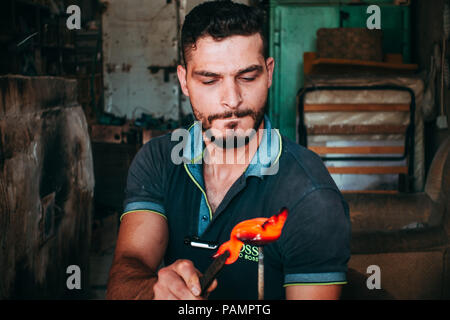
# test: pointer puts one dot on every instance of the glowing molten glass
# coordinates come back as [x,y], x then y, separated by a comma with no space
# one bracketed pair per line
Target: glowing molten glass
[258,232]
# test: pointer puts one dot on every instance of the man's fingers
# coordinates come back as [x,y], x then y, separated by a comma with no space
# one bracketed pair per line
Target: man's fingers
[174,284]
[190,275]
[162,291]
[179,289]
[183,280]
[164,294]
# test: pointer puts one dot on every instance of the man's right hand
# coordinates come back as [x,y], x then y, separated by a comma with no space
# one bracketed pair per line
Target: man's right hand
[134,273]
[180,281]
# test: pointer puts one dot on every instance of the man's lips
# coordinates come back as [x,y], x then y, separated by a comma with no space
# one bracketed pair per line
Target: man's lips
[230,123]
[227,122]
[230,119]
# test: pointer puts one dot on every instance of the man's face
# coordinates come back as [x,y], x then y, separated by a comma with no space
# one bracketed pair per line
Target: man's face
[227,83]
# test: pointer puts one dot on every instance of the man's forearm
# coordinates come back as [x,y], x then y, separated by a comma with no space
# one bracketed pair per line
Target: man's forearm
[129,278]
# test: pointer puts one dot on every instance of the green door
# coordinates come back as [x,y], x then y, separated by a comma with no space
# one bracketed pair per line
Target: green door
[293,32]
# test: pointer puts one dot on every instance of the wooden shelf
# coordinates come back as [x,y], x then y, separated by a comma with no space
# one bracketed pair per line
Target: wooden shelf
[363,63]
[312,63]
[355,129]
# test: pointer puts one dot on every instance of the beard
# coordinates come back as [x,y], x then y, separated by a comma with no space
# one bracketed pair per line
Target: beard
[235,138]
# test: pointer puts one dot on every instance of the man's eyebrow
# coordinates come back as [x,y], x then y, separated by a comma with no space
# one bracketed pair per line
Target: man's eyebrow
[255,67]
[251,68]
[206,73]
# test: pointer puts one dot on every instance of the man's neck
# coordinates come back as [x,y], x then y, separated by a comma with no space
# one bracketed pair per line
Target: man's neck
[221,163]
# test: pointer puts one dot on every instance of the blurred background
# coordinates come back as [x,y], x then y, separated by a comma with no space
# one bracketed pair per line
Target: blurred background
[77,104]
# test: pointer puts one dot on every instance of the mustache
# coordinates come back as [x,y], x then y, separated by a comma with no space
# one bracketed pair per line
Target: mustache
[230,114]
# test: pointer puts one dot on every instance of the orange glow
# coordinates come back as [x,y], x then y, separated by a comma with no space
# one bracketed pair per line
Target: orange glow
[257,231]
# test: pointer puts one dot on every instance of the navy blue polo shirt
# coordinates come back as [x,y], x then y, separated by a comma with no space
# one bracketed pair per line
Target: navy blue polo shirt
[166,178]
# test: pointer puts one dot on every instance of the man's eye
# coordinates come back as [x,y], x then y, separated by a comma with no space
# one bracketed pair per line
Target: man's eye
[209,82]
[248,79]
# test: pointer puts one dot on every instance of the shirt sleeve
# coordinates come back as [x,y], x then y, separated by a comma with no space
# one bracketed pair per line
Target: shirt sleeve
[315,242]
[144,189]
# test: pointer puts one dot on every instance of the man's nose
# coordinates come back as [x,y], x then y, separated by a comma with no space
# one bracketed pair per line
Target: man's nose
[231,94]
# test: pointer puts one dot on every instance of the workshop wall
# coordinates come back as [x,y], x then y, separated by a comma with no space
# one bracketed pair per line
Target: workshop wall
[46,187]
[140,55]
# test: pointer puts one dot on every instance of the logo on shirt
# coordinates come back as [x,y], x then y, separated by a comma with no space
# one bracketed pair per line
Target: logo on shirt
[249,252]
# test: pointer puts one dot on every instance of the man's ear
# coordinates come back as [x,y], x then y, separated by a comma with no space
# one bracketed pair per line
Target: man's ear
[270,65]
[181,72]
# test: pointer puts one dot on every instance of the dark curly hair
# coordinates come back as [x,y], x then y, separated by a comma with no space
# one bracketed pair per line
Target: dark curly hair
[221,19]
